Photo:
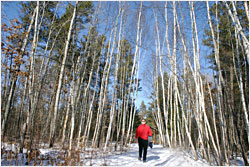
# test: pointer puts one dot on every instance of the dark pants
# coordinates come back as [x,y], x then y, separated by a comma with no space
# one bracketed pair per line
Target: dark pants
[143,145]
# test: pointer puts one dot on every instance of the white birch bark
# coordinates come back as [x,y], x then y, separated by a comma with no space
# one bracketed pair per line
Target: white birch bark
[184,93]
[91,72]
[72,115]
[216,48]
[21,106]
[13,83]
[241,85]
[53,125]
[186,128]
[170,79]
[90,112]
[72,102]
[27,121]
[165,111]
[246,9]
[131,109]
[82,71]
[132,74]
[43,69]
[31,79]
[40,24]
[157,93]
[114,93]
[107,78]
[196,77]
[176,111]
[238,26]
[32,59]
[186,59]
[102,96]
[86,90]
[65,123]
[40,79]
[171,105]
[72,94]
[121,106]
[218,152]
[136,89]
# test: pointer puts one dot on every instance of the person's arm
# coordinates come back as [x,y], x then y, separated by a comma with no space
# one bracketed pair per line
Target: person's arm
[149,134]
[150,138]
[137,133]
[149,131]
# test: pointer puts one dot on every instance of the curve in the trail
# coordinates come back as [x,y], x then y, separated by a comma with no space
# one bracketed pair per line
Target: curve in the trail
[157,156]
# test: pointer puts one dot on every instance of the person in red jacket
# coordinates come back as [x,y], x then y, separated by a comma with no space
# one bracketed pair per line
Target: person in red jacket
[142,133]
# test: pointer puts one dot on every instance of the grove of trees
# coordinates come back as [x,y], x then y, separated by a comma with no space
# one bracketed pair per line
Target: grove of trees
[71,75]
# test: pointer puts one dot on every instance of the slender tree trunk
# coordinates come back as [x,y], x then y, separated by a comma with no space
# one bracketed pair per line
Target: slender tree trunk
[14,79]
[90,112]
[101,94]
[132,74]
[114,94]
[53,125]
[43,70]
[241,85]
[136,89]
[186,128]
[65,122]
[236,21]
[165,111]
[30,79]
[91,73]
[157,94]
[102,98]
[121,106]
[21,108]
[218,152]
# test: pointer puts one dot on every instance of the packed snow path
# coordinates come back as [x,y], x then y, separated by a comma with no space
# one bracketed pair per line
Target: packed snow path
[157,156]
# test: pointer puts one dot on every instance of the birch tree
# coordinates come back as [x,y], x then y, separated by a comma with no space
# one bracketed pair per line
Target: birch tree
[14,80]
[30,79]
[53,124]
[131,76]
[114,93]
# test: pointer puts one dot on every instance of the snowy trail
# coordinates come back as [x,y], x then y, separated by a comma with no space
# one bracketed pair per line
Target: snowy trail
[158,156]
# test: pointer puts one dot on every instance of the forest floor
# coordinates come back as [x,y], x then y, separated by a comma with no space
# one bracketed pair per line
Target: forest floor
[157,156]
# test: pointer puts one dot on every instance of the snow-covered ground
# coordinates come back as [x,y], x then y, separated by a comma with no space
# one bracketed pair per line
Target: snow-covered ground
[157,156]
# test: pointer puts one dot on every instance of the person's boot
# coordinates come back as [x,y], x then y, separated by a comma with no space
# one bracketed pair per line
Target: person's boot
[144,161]
[139,158]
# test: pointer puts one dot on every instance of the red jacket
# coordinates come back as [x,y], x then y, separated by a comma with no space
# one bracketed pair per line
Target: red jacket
[143,131]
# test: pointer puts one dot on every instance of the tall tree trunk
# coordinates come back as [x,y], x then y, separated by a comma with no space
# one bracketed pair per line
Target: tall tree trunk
[221,80]
[239,30]
[14,79]
[30,79]
[91,72]
[53,125]
[131,77]
[136,89]
[114,93]
[101,94]
[165,110]
[65,121]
